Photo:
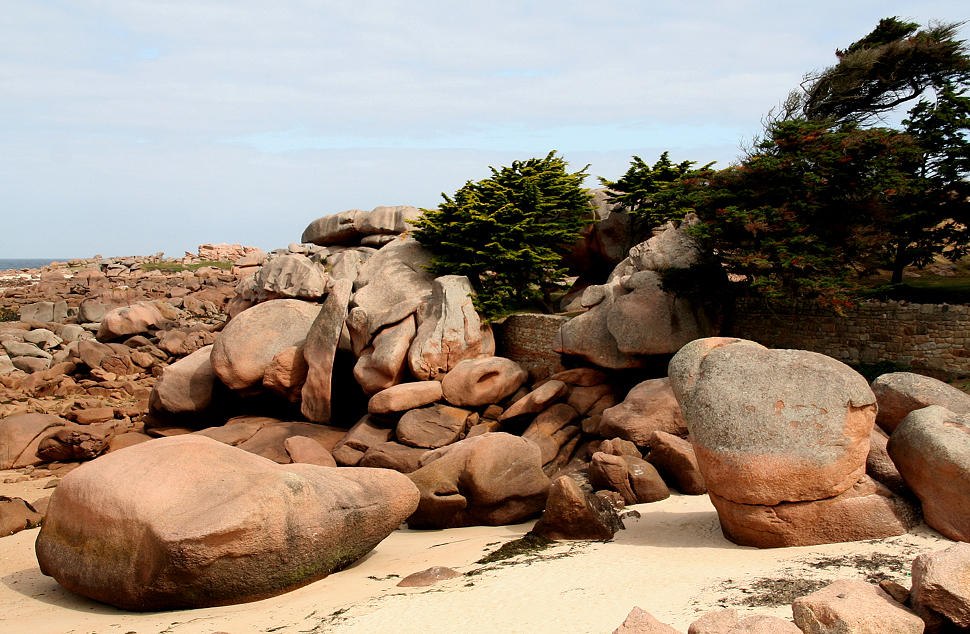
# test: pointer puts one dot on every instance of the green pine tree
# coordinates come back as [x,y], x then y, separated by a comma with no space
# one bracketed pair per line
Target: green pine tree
[508,233]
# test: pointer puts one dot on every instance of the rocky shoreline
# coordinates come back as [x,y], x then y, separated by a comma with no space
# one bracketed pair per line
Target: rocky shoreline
[343,351]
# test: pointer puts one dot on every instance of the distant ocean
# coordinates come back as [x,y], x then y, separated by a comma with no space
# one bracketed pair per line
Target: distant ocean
[27,263]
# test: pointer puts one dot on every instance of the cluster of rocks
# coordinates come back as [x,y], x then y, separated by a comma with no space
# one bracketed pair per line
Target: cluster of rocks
[938,602]
[91,339]
[631,316]
[344,351]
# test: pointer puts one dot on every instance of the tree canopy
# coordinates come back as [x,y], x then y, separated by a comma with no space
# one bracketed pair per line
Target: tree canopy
[821,198]
[508,233]
[894,64]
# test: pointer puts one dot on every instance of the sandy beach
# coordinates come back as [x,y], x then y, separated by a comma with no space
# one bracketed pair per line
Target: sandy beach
[671,561]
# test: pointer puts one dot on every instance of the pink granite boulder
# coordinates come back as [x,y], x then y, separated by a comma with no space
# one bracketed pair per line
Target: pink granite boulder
[246,528]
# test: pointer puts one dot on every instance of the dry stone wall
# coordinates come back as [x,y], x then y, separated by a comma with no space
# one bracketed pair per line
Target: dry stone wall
[529,339]
[931,338]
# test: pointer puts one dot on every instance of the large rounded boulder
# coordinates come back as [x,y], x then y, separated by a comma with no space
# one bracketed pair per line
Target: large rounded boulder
[492,479]
[771,426]
[899,393]
[186,385]
[250,341]
[931,449]
[187,521]
[21,435]
[475,382]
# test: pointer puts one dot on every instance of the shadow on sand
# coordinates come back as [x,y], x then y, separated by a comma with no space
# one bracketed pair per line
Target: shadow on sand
[33,584]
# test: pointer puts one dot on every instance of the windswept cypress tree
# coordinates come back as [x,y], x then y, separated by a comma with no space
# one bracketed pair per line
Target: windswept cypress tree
[508,233]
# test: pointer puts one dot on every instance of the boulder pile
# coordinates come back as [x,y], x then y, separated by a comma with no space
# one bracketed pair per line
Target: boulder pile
[345,351]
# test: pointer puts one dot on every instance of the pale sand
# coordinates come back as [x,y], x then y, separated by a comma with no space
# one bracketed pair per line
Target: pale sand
[672,562]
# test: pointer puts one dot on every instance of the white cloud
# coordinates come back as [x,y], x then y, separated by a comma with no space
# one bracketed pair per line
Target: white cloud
[176,122]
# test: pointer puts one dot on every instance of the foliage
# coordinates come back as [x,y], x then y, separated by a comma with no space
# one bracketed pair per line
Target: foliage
[894,64]
[178,266]
[8,314]
[800,214]
[653,194]
[932,212]
[820,199]
[508,233]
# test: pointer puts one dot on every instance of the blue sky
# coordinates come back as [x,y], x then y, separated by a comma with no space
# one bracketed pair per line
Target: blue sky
[131,127]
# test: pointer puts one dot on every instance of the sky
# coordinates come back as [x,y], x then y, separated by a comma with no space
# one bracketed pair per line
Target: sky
[133,127]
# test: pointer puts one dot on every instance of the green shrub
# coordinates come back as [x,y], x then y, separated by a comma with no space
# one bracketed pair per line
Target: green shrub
[508,233]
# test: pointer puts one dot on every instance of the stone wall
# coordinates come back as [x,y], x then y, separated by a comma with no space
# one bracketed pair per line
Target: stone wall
[530,340]
[932,338]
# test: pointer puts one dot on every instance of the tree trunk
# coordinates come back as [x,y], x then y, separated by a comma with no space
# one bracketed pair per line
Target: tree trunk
[899,263]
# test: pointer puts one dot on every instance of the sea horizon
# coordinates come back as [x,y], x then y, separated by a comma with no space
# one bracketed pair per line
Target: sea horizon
[27,263]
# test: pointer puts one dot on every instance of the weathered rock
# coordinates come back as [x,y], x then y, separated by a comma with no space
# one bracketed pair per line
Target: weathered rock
[16,515]
[43,338]
[551,430]
[428,577]
[715,622]
[352,225]
[580,377]
[125,440]
[633,478]
[587,335]
[92,415]
[41,312]
[674,459]
[31,365]
[291,276]
[772,426]
[404,397]
[20,436]
[91,353]
[853,607]
[286,373]
[868,510]
[641,622]
[941,583]
[492,479]
[931,449]
[365,433]
[248,343]
[880,467]
[269,441]
[616,447]
[186,385]
[572,513]
[384,363]
[432,427]
[392,455]
[592,401]
[396,273]
[476,382]
[307,450]
[450,330]
[763,624]
[899,393]
[138,318]
[91,311]
[536,400]
[238,429]
[24,349]
[246,529]
[646,320]
[74,442]
[319,351]
[631,315]
[650,406]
